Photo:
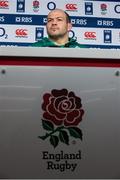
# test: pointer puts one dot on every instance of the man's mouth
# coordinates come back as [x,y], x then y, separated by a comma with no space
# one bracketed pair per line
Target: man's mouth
[54,29]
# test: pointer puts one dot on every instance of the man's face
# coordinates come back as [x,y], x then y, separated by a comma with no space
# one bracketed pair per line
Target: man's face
[57,25]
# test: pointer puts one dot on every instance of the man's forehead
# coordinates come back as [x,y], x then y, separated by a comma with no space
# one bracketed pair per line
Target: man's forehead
[56,13]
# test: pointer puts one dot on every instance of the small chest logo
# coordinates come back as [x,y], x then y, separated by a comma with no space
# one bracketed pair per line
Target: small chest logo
[62,113]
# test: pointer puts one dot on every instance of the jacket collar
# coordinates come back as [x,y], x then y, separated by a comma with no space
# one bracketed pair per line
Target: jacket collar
[52,44]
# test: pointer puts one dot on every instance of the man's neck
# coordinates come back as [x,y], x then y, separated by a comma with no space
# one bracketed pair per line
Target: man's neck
[60,41]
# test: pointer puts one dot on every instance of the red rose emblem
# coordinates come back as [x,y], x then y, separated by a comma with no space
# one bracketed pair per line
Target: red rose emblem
[36,3]
[103,6]
[62,108]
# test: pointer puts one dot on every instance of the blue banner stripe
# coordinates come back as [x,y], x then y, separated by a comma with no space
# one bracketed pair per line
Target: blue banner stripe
[96,22]
[40,20]
[23,19]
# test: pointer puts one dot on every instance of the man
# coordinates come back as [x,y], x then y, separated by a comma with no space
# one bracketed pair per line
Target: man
[58,27]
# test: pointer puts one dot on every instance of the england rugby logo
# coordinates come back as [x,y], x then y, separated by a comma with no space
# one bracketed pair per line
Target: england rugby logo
[62,114]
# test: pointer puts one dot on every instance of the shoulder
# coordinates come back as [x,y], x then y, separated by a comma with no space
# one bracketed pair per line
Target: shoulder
[74,44]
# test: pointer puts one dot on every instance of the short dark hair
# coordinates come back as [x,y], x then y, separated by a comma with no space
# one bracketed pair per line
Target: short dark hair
[67,17]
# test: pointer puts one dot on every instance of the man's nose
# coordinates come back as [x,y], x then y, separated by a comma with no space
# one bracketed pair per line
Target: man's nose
[54,21]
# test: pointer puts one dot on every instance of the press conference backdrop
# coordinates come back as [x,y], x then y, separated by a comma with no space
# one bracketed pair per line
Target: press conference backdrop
[96,23]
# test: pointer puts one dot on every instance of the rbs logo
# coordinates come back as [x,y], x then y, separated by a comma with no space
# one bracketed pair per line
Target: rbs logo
[71,7]
[21,32]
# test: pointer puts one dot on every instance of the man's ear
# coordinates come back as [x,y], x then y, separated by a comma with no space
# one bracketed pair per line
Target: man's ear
[69,26]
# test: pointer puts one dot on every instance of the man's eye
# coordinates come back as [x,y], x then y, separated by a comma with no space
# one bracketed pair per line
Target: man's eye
[59,19]
[49,20]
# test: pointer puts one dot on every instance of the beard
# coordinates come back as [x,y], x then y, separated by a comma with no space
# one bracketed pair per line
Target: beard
[56,36]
